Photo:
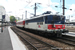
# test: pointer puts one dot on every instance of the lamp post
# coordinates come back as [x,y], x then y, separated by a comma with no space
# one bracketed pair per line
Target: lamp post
[63,7]
[35,8]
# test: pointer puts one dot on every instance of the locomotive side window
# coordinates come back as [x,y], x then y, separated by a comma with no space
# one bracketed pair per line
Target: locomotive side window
[37,23]
[41,23]
[40,19]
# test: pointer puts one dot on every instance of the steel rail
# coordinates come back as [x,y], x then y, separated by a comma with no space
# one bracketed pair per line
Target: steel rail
[64,41]
[26,41]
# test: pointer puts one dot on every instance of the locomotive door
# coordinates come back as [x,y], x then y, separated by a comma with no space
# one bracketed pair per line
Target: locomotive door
[45,25]
[47,21]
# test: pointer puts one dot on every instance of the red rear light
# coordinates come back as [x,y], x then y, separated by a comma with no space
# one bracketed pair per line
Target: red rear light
[23,22]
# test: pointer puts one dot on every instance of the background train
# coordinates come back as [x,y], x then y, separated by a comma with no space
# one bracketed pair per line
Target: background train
[48,23]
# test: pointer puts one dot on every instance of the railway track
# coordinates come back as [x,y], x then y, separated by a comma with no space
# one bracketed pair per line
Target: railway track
[66,41]
[71,40]
[35,43]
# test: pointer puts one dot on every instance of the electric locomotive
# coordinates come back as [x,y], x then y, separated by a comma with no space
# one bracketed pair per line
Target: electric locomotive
[49,23]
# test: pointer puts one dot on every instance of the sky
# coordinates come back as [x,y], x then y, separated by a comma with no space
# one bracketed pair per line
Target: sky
[18,7]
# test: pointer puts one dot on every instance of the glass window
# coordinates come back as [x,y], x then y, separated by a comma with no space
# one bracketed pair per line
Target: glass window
[41,23]
[39,19]
[55,17]
[37,23]
[48,19]
[62,17]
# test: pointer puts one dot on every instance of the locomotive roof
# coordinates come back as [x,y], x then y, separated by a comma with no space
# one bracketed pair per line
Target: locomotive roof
[42,16]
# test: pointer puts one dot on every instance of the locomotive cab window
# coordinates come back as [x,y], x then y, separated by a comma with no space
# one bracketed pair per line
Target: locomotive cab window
[48,19]
[62,17]
[55,18]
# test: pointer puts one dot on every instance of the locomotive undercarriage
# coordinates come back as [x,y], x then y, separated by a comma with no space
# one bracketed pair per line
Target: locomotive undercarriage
[56,33]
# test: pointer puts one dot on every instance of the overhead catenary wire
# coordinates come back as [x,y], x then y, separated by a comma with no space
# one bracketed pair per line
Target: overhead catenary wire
[28,3]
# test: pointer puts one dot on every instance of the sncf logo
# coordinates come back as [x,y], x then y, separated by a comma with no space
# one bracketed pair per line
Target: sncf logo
[39,26]
[58,26]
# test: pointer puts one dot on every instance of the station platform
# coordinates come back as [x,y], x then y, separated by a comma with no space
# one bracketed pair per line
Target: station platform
[72,34]
[10,41]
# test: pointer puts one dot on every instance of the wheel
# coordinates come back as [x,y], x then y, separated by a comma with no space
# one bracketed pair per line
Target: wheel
[59,34]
